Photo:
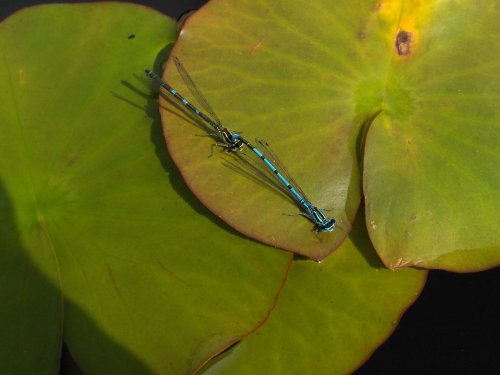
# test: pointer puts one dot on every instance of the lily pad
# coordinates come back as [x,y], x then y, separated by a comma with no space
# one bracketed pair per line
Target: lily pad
[313,78]
[274,79]
[331,315]
[432,167]
[94,215]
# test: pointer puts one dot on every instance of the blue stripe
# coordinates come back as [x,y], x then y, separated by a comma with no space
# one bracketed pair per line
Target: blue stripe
[259,154]
[297,195]
[283,179]
[269,164]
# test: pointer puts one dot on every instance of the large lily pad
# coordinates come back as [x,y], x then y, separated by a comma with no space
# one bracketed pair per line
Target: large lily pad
[314,77]
[94,210]
[331,315]
[272,79]
[432,167]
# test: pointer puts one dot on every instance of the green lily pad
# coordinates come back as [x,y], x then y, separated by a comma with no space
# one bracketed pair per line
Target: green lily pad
[272,80]
[312,78]
[95,216]
[330,317]
[432,171]
[32,308]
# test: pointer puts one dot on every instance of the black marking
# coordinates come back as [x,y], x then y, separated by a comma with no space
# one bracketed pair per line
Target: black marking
[131,36]
[404,42]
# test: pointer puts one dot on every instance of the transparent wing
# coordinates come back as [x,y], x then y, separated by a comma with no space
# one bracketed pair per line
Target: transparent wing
[194,90]
[249,167]
[167,92]
[266,150]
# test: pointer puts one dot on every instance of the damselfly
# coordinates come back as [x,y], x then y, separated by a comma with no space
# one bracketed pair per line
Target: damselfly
[231,141]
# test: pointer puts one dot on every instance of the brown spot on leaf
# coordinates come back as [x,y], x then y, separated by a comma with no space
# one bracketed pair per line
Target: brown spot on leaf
[403,43]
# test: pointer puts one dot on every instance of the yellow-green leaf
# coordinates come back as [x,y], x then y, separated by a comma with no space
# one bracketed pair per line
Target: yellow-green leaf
[94,210]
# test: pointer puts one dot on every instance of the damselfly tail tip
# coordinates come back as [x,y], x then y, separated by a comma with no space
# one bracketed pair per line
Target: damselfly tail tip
[329,226]
[148,72]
